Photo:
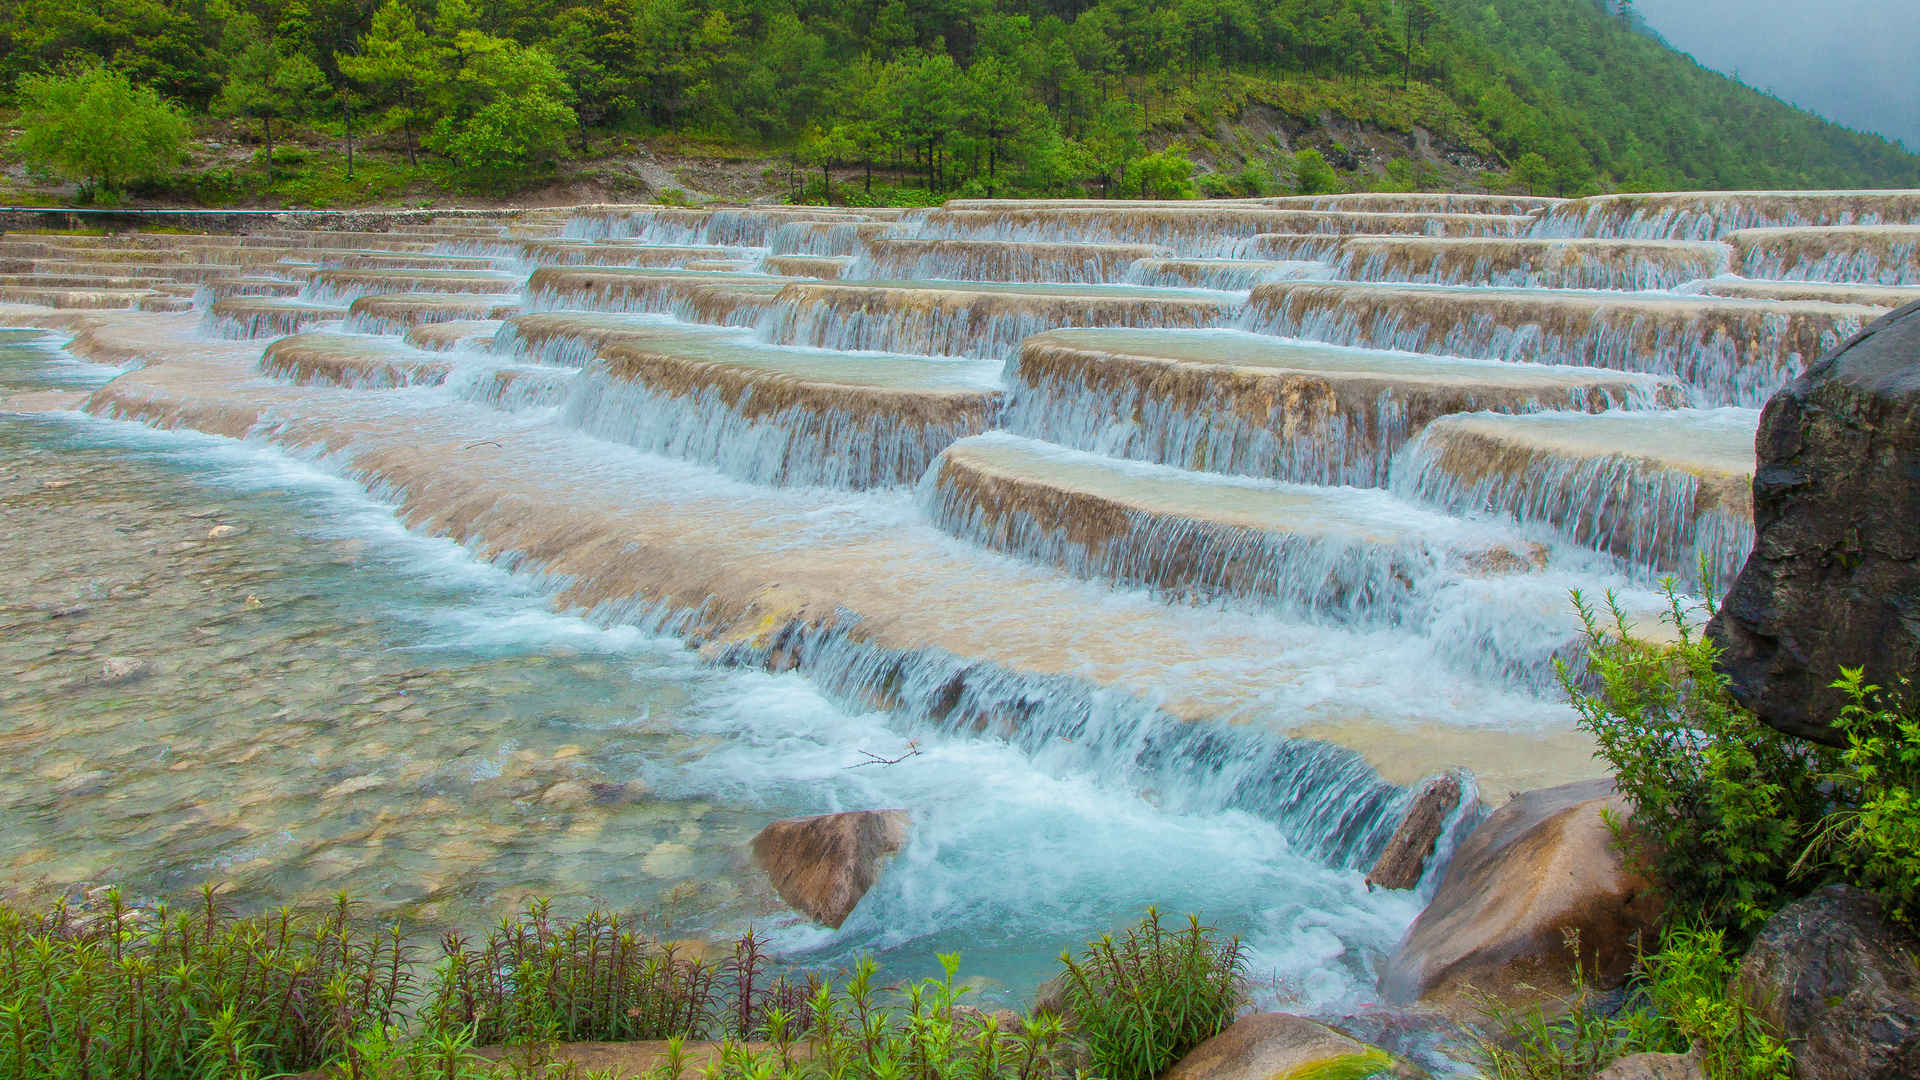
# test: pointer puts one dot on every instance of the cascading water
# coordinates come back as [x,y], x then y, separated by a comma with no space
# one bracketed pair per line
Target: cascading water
[1174,614]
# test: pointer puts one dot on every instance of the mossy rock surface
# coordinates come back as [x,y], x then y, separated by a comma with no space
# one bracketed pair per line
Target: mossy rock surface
[1281,1046]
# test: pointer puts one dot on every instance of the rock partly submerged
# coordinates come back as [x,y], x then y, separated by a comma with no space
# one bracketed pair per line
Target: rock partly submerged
[1404,859]
[1834,577]
[823,865]
[1538,873]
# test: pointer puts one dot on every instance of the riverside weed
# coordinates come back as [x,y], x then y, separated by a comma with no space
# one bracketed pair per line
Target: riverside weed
[1142,1000]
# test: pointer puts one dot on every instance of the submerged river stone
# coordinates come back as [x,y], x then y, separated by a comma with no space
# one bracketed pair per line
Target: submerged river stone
[1834,578]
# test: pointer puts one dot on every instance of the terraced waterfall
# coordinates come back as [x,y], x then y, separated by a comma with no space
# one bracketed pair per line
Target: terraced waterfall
[1163,545]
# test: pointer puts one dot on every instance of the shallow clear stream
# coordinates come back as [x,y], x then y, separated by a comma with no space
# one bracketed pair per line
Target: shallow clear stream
[221,663]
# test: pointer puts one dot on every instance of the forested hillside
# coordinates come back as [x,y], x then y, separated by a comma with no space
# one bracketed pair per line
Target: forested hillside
[1161,97]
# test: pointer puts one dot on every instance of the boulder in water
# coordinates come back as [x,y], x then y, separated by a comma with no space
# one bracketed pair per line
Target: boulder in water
[823,865]
[1834,577]
[1842,984]
[1540,872]
[1278,1046]
[1406,854]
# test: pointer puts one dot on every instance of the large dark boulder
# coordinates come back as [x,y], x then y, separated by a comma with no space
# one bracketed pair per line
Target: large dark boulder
[1834,578]
[1842,983]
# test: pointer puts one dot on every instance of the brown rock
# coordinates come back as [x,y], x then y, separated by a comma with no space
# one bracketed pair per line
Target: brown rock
[1653,1067]
[1834,577]
[1842,984]
[824,865]
[1406,854]
[1539,869]
[1279,1046]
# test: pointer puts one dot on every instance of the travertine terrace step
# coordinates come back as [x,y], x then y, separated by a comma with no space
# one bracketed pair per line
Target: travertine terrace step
[1227,274]
[1292,247]
[1529,262]
[1198,228]
[351,360]
[1360,556]
[827,237]
[570,338]
[266,316]
[1728,351]
[386,260]
[187,272]
[1870,254]
[1420,202]
[996,260]
[818,267]
[77,281]
[579,253]
[1657,489]
[512,387]
[720,299]
[363,240]
[781,415]
[862,601]
[469,334]
[72,298]
[393,313]
[1225,401]
[251,285]
[1708,215]
[978,319]
[735,227]
[1885,296]
[347,284]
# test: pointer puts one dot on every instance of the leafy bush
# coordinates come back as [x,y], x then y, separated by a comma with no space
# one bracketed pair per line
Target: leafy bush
[1681,998]
[1877,838]
[1142,1001]
[1165,175]
[1312,175]
[96,127]
[1723,805]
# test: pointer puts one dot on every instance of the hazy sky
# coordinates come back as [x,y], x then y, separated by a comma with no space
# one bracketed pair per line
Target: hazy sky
[1856,62]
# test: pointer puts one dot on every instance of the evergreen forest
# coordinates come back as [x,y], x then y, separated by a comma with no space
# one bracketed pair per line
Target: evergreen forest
[896,100]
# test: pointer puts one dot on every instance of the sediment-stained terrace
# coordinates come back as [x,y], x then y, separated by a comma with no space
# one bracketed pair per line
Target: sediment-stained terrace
[1048,466]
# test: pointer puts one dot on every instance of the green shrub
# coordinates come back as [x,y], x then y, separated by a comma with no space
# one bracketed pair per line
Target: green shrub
[96,127]
[1141,1001]
[1681,997]
[1723,805]
[1877,838]
[1165,175]
[1312,175]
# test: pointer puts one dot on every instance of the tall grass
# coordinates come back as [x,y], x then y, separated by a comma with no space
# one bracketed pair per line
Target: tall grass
[203,994]
[1142,1000]
[193,993]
